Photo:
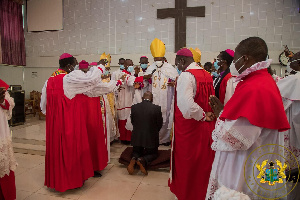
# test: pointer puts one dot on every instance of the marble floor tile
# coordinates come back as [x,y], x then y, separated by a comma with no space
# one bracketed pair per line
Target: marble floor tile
[110,190]
[31,181]
[21,195]
[151,192]
[120,173]
[30,161]
[158,178]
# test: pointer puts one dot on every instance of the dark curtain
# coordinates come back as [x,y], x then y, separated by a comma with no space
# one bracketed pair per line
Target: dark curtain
[12,33]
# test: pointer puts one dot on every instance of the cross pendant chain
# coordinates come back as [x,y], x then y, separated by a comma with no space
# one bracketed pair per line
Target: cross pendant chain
[159,75]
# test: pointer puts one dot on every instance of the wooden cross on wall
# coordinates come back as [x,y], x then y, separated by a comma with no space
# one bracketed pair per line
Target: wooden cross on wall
[180,12]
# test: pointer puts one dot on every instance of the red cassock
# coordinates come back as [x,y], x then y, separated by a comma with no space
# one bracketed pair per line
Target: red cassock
[223,85]
[192,155]
[68,159]
[8,187]
[124,133]
[96,133]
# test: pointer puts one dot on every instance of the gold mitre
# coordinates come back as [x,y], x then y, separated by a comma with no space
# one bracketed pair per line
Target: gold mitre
[196,55]
[103,56]
[198,51]
[158,48]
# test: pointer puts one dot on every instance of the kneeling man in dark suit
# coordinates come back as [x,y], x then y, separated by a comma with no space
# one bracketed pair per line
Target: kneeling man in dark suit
[147,121]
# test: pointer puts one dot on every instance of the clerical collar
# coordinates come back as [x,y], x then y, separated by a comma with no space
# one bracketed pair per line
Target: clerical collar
[147,100]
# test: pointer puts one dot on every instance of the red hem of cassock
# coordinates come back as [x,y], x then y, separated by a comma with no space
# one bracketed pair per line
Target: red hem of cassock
[68,160]
[125,135]
[96,135]
[8,187]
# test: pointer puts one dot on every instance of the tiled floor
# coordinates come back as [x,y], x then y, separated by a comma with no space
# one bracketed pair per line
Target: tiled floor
[115,184]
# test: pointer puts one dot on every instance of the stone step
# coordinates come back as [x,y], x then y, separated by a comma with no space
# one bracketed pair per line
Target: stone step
[28,141]
[29,148]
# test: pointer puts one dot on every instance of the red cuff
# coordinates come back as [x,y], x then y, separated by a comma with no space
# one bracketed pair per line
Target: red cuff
[119,82]
[6,106]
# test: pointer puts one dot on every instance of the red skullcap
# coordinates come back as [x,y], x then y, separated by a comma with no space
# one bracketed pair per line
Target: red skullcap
[65,55]
[83,65]
[230,52]
[184,52]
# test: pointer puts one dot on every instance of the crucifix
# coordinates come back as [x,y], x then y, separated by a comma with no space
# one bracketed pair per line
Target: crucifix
[180,12]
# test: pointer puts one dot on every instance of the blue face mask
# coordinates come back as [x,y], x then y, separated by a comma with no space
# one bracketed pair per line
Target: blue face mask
[215,74]
[179,71]
[130,69]
[122,67]
[216,65]
[106,72]
[144,66]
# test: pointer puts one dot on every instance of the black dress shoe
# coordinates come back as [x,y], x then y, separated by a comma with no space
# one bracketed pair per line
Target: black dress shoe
[97,174]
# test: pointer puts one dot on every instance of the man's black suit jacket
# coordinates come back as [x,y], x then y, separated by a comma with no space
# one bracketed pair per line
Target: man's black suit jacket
[147,121]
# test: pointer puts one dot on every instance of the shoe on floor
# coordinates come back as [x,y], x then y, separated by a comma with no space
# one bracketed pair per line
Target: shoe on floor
[142,164]
[131,165]
[97,174]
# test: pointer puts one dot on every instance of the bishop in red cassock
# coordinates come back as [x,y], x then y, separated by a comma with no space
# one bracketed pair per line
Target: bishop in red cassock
[68,160]
[192,156]
[85,86]
[8,162]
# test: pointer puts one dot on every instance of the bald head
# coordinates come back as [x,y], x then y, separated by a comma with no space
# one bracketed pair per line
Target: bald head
[148,95]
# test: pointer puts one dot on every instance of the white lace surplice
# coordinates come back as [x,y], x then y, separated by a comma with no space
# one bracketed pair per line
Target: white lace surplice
[7,160]
[234,140]
[290,91]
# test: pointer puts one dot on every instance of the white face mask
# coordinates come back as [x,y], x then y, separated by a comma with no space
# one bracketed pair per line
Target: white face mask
[159,63]
[233,69]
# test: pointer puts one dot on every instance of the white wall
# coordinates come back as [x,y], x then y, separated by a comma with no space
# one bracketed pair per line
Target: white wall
[12,75]
[125,28]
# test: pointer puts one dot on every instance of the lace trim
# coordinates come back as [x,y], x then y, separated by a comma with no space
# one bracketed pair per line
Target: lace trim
[7,160]
[290,152]
[212,188]
[253,68]
[228,139]
[224,193]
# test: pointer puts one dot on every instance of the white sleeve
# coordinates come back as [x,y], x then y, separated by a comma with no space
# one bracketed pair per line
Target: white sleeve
[78,82]
[230,88]
[102,88]
[11,102]
[129,80]
[150,69]
[43,103]
[232,135]
[185,97]
[113,75]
